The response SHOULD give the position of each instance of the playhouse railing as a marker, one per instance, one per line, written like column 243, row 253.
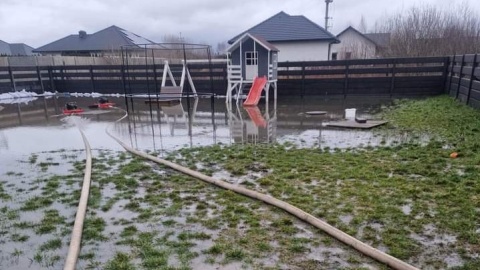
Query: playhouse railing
column 270, row 72
column 234, row 72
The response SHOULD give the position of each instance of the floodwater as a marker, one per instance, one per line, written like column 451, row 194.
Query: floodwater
column 37, row 126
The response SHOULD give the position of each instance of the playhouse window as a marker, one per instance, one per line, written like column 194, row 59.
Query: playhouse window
column 251, row 58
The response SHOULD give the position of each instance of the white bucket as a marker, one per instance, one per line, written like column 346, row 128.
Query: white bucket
column 350, row 113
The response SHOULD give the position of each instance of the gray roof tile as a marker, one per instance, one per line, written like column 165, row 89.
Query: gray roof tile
column 111, row 38
column 381, row 39
column 284, row 27
column 15, row 48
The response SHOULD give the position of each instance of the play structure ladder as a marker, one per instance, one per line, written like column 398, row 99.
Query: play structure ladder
column 255, row 91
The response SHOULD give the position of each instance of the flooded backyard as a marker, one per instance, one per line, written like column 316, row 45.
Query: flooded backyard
column 142, row 215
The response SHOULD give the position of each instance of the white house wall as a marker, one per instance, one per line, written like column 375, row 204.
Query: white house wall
column 302, row 50
column 357, row 45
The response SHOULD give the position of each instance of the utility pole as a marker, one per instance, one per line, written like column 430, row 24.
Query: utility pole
column 327, row 2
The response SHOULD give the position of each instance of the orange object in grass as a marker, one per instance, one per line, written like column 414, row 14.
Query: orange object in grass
column 454, row 155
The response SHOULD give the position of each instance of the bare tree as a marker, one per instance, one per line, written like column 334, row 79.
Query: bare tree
column 362, row 26
column 431, row 31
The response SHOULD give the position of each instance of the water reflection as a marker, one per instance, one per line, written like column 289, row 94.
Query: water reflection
column 190, row 123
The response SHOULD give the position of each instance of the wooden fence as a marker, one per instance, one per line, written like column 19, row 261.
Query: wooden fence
column 463, row 80
column 388, row 77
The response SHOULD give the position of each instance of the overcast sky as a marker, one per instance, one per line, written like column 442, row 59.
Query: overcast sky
column 38, row 22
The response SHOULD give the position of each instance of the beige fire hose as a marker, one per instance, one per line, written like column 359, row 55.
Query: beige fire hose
column 334, row 232
column 74, row 248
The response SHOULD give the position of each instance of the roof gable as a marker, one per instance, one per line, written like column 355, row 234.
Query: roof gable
column 379, row 39
column 110, row 38
column 260, row 40
column 284, row 27
column 352, row 29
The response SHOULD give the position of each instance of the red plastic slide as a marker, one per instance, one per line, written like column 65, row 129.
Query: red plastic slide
column 255, row 91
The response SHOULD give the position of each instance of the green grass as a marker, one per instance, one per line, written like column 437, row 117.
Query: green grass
column 370, row 184
column 121, row 261
column 51, row 244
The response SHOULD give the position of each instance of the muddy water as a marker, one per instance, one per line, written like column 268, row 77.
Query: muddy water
column 35, row 127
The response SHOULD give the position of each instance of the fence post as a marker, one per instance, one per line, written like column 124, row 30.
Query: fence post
column 92, row 79
column 345, row 86
column 446, row 63
column 12, row 78
column 39, row 75
column 451, row 74
column 471, row 78
column 460, row 77
column 50, row 77
column 392, row 85
column 303, row 79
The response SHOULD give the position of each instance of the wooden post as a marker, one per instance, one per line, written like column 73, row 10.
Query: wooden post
column 460, row 77
column 451, row 75
column 303, row 79
column 345, row 87
column 92, row 79
column 50, row 76
column 12, row 78
column 446, row 62
column 471, row 78
column 392, row 84
column 39, row 75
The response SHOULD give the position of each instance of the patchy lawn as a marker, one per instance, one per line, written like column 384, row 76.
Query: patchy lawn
column 410, row 199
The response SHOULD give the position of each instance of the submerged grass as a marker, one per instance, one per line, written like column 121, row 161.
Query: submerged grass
column 411, row 200
column 372, row 186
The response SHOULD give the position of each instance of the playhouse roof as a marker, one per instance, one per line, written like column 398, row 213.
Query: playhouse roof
column 284, row 27
column 110, row 38
column 260, row 40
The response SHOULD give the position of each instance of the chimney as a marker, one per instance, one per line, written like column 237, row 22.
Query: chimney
column 82, row 34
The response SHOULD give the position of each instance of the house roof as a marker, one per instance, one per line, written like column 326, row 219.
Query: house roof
column 110, row 38
column 260, row 40
column 15, row 48
column 284, row 27
column 379, row 39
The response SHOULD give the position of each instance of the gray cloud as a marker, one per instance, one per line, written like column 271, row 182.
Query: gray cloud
column 37, row 22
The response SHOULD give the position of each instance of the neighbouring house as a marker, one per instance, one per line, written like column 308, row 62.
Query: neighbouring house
column 108, row 41
column 296, row 37
column 15, row 49
column 356, row 45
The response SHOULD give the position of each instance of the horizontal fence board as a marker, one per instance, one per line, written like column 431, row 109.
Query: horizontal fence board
column 463, row 98
column 463, row 90
column 475, row 94
column 475, row 103
column 457, row 69
column 465, row 82
column 477, row 72
column 469, row 58
column 476, row 85
column 467, row 71
column 419, row 69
